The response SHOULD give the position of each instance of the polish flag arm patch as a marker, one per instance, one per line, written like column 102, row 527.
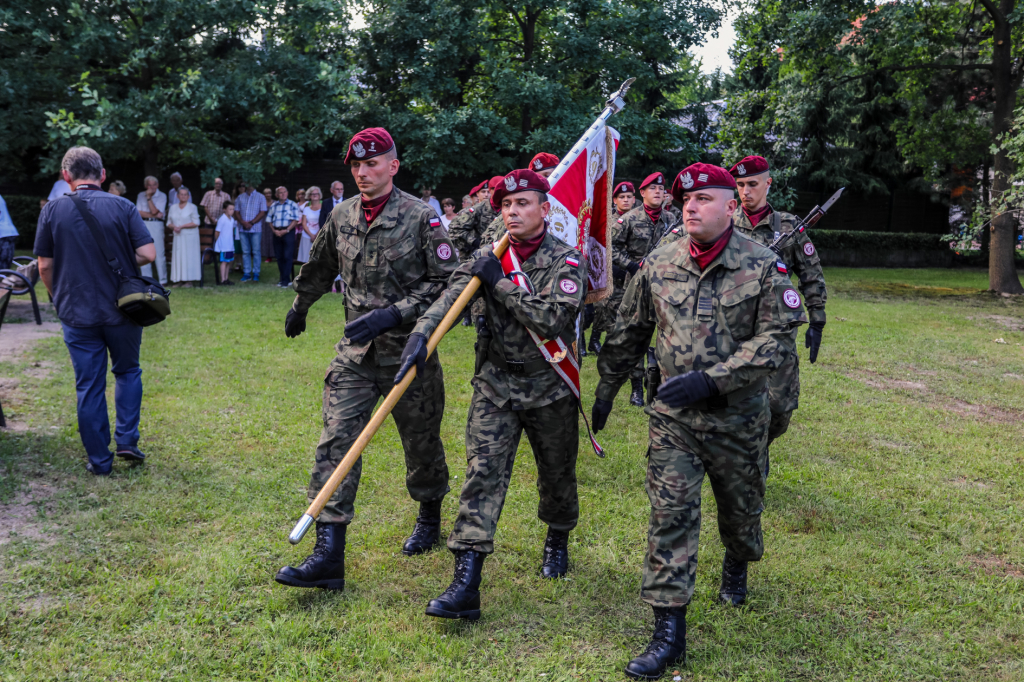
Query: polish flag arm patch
column 573, row 261
column 782, row 267
column 435, row 222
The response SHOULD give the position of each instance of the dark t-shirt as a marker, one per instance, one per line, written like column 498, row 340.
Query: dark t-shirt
column 84, row 286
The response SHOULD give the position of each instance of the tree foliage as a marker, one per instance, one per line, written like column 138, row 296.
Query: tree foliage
column 235, row 87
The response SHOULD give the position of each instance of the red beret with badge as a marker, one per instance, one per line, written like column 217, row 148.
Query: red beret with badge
column 701, row 176
column 750, row 165
column 369, row 143
column 623, row 187
column 522, row 180
column 543, row 161
column 653, row 179
column 495, row 181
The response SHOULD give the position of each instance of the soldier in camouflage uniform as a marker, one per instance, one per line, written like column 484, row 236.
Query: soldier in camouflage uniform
column 515, row 389
column 634, row 235
column 759, row 221
column 466, row 230
column 543, row 164
column 722, row 312
column 623, row 201
column 395, row 257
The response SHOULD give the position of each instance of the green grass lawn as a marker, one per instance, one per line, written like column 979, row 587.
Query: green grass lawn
column 894, row 522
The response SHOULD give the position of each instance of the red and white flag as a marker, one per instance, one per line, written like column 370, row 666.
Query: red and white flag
column 581, row 209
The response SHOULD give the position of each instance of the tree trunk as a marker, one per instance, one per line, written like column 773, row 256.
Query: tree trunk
column 1002, row 272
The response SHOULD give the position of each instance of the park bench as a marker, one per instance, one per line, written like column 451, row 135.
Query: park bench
column 17, row 283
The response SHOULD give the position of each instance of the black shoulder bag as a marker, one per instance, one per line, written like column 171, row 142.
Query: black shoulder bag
column 141, row 299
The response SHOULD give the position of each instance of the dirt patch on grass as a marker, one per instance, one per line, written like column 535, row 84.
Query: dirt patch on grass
column 967, row 483
column 994, row 565
column 19, row 518
column 988, row 413
column 1014, row 324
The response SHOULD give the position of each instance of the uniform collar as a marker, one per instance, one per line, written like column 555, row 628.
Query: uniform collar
column 743, row 222
column 731, row 257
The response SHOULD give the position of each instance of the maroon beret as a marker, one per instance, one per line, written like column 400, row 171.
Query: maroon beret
column 369, row 143
column 522, row 180
column 476, row 188
column 543, row 161
column 623, row 187
column 653, row 179
column 751, row 165
column 701, row 176
column 495, row 181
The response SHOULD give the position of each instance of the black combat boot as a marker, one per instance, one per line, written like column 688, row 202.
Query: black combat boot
column 595, row 343
column 668, row 645
column 462, row 598
column 325, row 567
column 427, row 531
column 636, row 398
column 556, row 554
column 734, row 581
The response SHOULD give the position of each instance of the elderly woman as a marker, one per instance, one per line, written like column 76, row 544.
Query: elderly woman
column 186, row 259
column 117, row 188
column 310, row 223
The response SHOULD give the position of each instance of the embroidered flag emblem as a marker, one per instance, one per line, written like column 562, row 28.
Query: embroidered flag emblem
column 573, row 261
column 782, row 267
column 435, row 222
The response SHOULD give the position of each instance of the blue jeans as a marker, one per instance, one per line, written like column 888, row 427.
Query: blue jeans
column 88, row 347
column 250, row 253
column 284, row 254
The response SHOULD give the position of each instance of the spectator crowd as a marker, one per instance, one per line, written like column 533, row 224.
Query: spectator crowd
column 243, row 228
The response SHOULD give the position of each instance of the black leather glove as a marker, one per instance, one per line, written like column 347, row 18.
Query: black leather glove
column 294, row 324
column 415, row 351
column 488, row 269
column 686, row 389
column 371, row 325
column 599, row 415
column 633, row 267
column 812, row 339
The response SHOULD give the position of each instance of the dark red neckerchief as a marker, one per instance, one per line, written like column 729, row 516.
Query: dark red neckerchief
column 621, row 212
column 652, row 213
column 373, row 207
column 528, row 247
column 86, row 185
column 757, row 216
column 703, row 254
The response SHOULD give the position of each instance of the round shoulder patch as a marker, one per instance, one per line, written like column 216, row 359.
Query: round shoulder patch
column 568, row 286
column 809, row 249
column 791, row 299
column 444, row 252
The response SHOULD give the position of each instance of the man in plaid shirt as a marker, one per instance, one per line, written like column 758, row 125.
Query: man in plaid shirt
column 250, row 208
column 284, row 217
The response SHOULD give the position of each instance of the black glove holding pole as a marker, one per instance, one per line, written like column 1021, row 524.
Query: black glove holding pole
column 415, row 351
column 367, row 327
column 488, row 269
column 812, row 339
column 294, row 324
column 686, row 389
column 599, row 414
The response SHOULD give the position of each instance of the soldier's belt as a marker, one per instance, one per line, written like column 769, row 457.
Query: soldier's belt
column 720, row 402
column 518, row 368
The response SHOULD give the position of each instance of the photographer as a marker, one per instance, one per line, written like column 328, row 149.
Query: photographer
column 84, row 292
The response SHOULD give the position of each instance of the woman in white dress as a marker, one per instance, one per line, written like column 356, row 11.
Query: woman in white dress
column 310, row 223
column 186, row 259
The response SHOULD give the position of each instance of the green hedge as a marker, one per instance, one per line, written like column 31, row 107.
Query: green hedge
column 24, row 214
column 850, row 240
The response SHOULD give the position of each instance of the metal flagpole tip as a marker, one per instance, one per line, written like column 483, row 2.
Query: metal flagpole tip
column 299, row 531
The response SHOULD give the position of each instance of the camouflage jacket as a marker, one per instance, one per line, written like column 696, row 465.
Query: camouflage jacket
column 550, row 312
column 634, row 235
column 467, row 227
column 494, row 231
column 403, row 259
column 798, row 254
column 731, row 321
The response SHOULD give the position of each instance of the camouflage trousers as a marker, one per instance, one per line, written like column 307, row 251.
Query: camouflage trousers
column 784, row 390
column 351, row 391
column 678, row 458
column 492, row 439
column 606, row 310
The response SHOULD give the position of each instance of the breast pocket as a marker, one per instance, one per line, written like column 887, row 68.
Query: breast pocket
column 739, row 309
column 404, row 260
column 349, row 254
column 673, row 296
